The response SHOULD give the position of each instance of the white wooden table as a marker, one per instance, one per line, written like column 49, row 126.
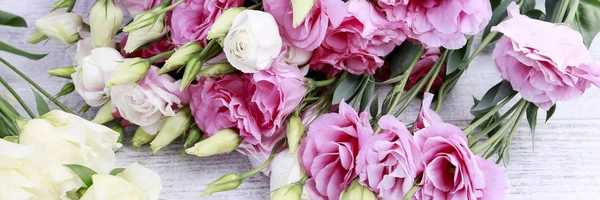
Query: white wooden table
column 563, row 164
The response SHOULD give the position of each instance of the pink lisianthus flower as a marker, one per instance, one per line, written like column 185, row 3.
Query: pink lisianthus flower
column 151, row 50
column 439, row 23
column 427, row 117
column 192, row 19
column 544, row 62
column 134, row 7
column 359, row 43
column 452, row 171
column 310, row 33
column 389, row 162
column 328, row 152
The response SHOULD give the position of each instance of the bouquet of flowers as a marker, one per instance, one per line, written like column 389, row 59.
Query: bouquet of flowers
column 309, row 90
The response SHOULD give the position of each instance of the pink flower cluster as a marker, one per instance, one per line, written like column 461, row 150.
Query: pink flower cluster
column 255, row 104
column 543, row 72
column 356, row 35
column 340, row 147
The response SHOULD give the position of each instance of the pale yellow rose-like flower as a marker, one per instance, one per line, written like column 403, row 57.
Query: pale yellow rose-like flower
column 135, row 183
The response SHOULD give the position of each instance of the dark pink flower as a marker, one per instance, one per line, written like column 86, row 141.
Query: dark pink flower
column 451, row 169
column 310, row 33
column 328, row 152
column 546, row 63
column 389, row 162
column 192, row 19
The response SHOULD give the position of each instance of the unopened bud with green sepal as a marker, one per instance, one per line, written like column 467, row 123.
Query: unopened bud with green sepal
column 104, row 114
column 223, row 141
column 294, row 133
column 62, row 72
column 105, row 21
column 180, row 57
column 225, row 183
column 288, row 192
column 128, row 72
column 222, row 24
column 194, row 136
column 357, row 192
column 141, row 138
column 173, row 127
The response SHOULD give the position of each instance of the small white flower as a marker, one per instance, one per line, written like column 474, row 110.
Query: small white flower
column 136, row 182
column 253, row 41
column 92, row 73
column 60, row 26
column 286, row 169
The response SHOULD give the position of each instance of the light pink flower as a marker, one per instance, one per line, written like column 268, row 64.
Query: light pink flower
column 328, row 152
column 256, row 104
column 439, row 23
column 427, row 117
column 545, row 62
column 389, row 162
column 310, row 33
column 134, row 7
column 359, row 43
column 452, row 171
column 192, row 19
column 153, row 49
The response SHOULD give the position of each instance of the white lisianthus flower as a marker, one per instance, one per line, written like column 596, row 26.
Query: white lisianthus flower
column 72, row 140
column 286, row 169
column 253, row 41
column 136, row 182
column 93, row 71
column 148, row 102
column 84, row 46
column 29, row 173
column 60, row 26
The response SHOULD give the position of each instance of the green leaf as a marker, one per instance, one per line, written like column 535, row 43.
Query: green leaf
column 42, row 106
column 8, row 19
column 536, row 14
column 346, row 89
column 457, row 57
column 401, row 58
column 395, row 79
column 67, row 89
column 366, row 97
column 13, row 50
column 84, row 173
column 8, row 126
column 552, row 7
column 498, row 15
column 374, row 109
column 84, row 109
column 7, row 105
column 527, row 6
column 531, row 112
column 586, row 20
column 550, row 112
column 492, row 97
column 116, row 171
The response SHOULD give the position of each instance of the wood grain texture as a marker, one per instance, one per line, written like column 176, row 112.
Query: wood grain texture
column 563, row 164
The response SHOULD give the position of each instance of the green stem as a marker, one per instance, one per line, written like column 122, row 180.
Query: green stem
column 558, row 18
column 437, row 71
column 400, row 87
column 323, row 83
column 572, row 12
column 160, row 56
column 266, row 163
column 475, row 124
column 361, row 89
column 255, row 6
column 473, row 139
column 70, row 9
column 515, row 125
column 494, row 139
column 17, row 97
column 440, row 96
column 481, row 46
column 36, row 86
column 411, row 192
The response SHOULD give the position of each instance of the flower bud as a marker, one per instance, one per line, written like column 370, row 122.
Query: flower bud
column 288, row 192
column 357, row 192
column 60, row 26
column 173, row 127
column 301, row 8
column 180, row 57
column 194, row 136
column 104, row 114
column 37, row 37
column 223, row 141
column 225, row 183
column 62, row 4
column 12, row 138
column 192, row 68
column 217, row 69
column 128, row 72
column 221, row 26
column 294, row 132
column 144, row 35
column 63, row 72
column 105, row 20
column 141, row 137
